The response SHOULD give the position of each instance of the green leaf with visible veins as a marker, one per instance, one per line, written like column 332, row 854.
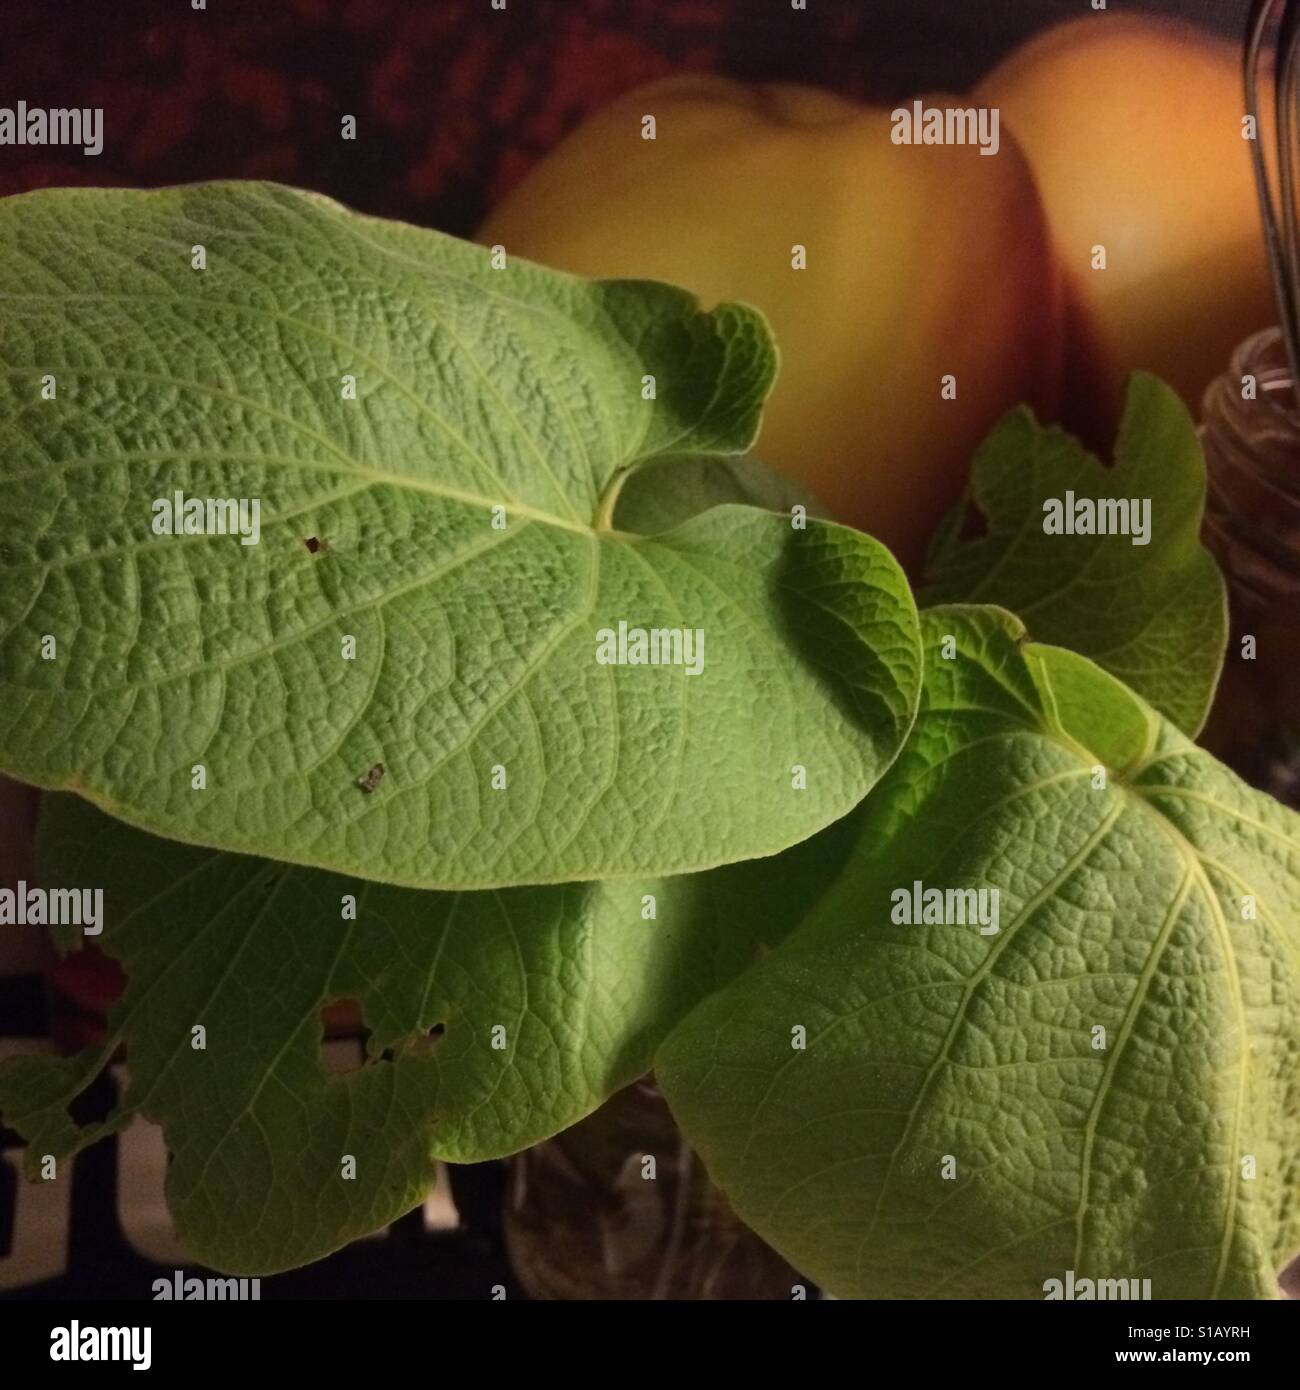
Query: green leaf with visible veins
column 1155, row 614
column 475, row 648
column 1108, row 1083
column 583, row 982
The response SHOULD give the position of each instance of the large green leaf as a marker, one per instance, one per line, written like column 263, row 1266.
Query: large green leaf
column 475, row 648
column 1154, row 614
column 1160, row 904
column 582, row 981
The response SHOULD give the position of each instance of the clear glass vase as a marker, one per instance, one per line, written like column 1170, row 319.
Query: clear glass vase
column 618, row 1207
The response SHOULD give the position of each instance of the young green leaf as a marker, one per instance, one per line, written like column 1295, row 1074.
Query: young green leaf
column 496, row 1019
column 1150, row 608
column 398, row 675
column 1097, row 1070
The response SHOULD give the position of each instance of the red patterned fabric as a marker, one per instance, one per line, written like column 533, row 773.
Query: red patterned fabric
column 453, row 99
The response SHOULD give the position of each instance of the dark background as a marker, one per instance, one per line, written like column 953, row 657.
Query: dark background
column 453, row 100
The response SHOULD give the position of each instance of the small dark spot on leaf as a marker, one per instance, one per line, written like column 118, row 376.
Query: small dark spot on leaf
column 371, row 779
column 437, row 1030
column 316, row 545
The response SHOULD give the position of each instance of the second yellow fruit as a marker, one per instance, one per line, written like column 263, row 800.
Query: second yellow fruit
column 1133, row 129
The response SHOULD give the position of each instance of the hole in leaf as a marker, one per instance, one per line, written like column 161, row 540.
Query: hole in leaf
column 343, row 1018
column 421, row 1044
column 347, row 1047
column 343, row 1033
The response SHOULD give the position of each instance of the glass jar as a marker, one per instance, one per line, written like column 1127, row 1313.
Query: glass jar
column 1251, row 434
column 618, row 1207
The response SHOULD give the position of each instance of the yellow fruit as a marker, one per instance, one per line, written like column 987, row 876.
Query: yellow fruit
column 922, row 262
column 1133, row 129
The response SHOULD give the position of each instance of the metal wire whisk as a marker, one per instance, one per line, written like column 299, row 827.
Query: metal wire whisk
column 1273, row 55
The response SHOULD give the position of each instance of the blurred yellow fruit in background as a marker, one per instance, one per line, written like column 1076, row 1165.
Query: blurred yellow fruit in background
column 921, row 262
column 1133, row 128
